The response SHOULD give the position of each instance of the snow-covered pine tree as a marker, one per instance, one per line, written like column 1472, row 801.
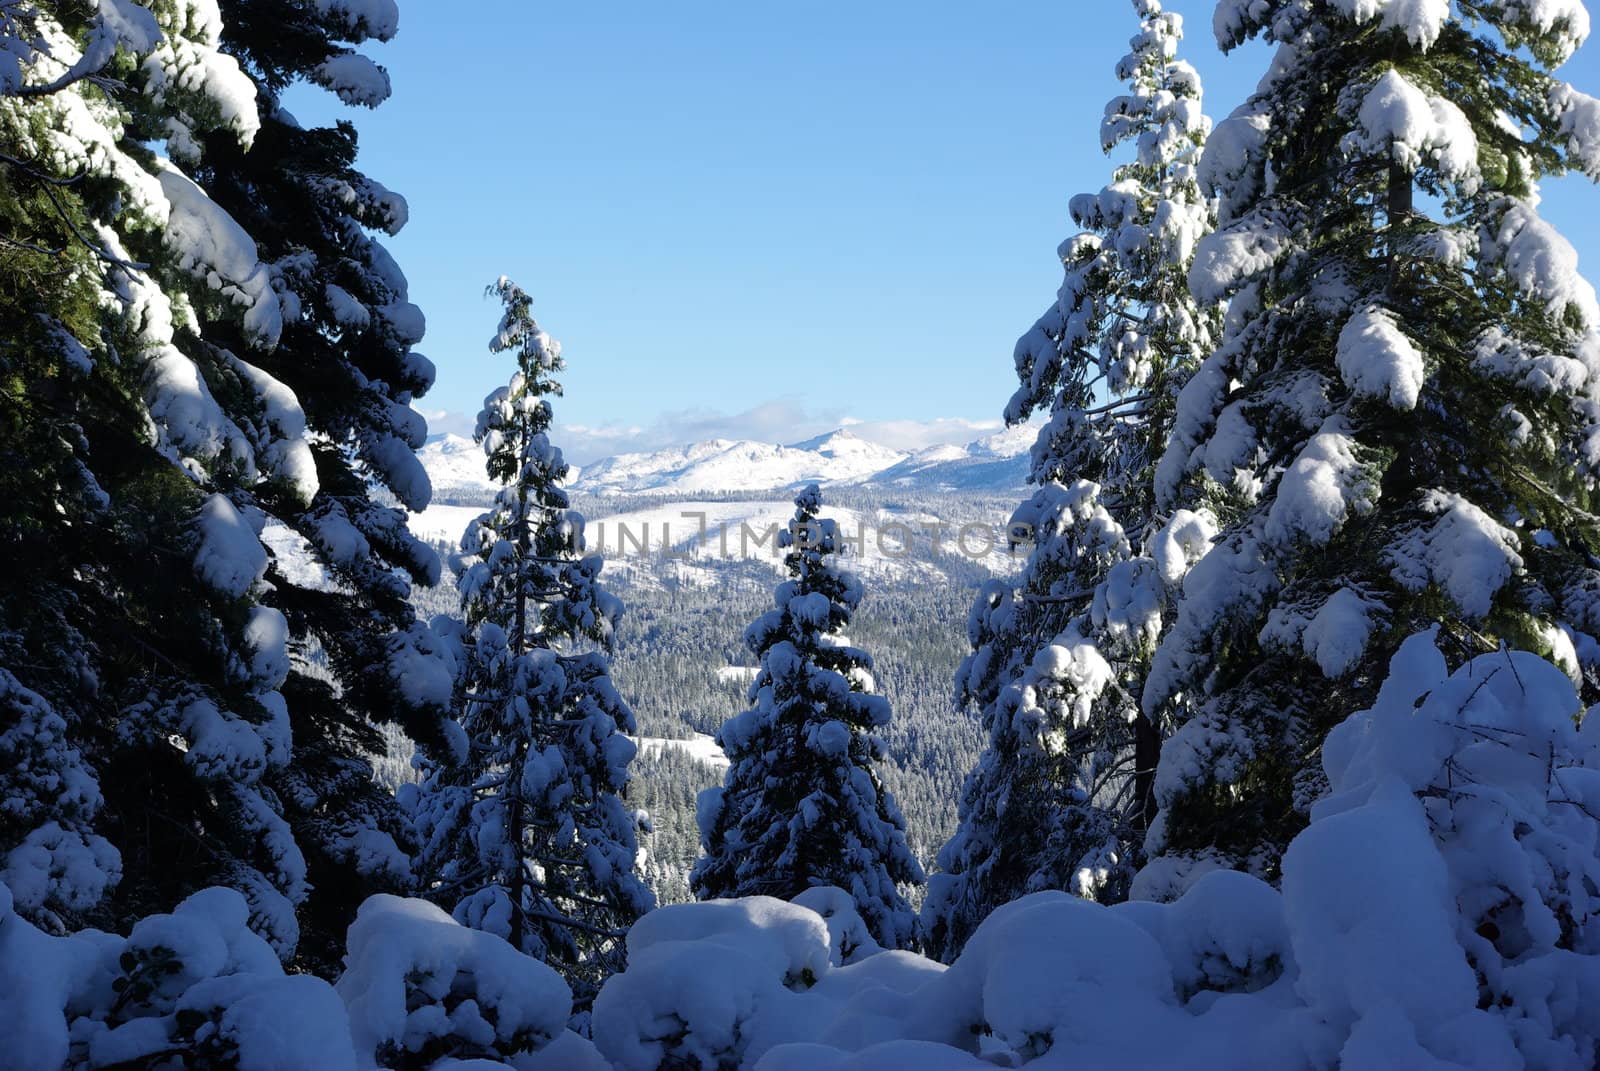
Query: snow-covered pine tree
column 52, row 395
column 802, row 804
column 1401, row 425
column 138, row 621
column 525, row 834
column 330, row 407
column 1062, row 792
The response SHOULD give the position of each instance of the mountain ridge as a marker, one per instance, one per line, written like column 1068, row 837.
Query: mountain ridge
column 996, row 462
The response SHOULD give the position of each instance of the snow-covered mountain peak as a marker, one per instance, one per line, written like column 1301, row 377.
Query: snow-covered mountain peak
column 715, row 466
column 1009, row 442
column 849, row 449
column 455, row 466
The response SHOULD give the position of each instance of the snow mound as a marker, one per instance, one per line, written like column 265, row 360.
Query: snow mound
column 418, row 981
column 1442, row 910
column 196, row 980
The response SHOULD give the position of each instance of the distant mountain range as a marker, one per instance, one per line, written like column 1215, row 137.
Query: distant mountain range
column 996, row 463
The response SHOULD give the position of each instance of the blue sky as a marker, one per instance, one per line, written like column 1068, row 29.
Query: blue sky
column 751, row 219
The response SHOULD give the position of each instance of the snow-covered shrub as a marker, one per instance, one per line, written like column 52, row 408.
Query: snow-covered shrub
column 192, row 989
column 198, row 990
column 703, row 979
column 1458, row 859
column 1046, row 970
column 849, row 939
column 922, row 1055
column 1228, row 934
column 425, row 992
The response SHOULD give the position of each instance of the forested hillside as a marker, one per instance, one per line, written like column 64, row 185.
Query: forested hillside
column 678, row 646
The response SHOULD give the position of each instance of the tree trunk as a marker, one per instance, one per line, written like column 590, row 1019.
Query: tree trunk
column 519, row 647
column 1400, row 207
column 1146, row 754
column 514, row 832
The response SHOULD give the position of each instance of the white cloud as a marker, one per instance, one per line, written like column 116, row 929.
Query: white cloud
column 446, row 421
column 779, row 421
column 913, row 435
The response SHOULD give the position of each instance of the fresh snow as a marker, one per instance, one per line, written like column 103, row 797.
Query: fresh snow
column 1421, row 20
column 1324, row 486
column 379, row 19
column 1227, row 257
column 1413, row 128
column 354, row 78
column 1465, row 551
column 1541, row 262
column 1378, row 360
column 699, row 746
column 229, row 556
column 211, row 245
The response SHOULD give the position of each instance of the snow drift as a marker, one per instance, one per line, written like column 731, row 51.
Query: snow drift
column 1441, row 910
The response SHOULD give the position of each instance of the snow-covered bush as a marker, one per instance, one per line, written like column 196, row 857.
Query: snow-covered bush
column 1442, row 910
column 666, row 1007
column 1462, row 833
column 197, row 986
column 198, row 990
column 717, row 984
column 425, row 992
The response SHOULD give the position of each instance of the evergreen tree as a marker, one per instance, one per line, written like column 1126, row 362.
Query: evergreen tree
column 525, row 833
column 332, row 399
column 53, row 394
column 1400, row 424
column 1062, row 792
column 129, row 617
column 802, row 804
column 161, row 354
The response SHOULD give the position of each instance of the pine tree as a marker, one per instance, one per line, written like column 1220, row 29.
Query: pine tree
column 1400, row 424
column 172, row 317
column 1062, row 792
column 802, row 804
column 332, row 400
column 53, row 393
column 526, row 835
column 132, row 614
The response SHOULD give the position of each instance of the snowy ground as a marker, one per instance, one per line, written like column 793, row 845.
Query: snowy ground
column 444, row 524
column 296, row 558
column 700, row 746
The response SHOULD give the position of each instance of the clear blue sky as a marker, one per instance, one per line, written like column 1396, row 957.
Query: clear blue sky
column 751, row 218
